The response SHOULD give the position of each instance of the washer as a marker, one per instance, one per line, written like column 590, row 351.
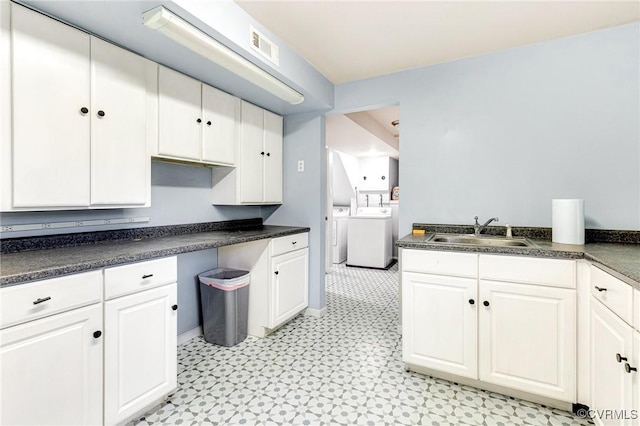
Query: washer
column 340, row 223
column 369, row 238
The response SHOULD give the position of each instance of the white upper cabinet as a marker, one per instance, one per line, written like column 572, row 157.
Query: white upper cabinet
column 180, row 118
column 197, row 122
column 118, row 128
column 51, row 116
column 78, row 119
column 221, row 119
column 257, row 179
column 252, row 154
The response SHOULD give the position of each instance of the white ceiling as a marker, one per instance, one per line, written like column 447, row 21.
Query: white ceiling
column 352, row 40
column 364, row 134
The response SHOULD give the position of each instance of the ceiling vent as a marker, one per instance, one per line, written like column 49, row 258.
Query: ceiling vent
column 264, row 46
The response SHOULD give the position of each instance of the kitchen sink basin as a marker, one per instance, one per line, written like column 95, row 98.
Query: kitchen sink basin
column 472, row 240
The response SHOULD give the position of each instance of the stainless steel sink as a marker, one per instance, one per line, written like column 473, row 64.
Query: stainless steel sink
column 480, row 241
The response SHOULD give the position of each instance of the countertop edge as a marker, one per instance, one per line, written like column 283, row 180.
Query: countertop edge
column 53, row 272
column 580, row 252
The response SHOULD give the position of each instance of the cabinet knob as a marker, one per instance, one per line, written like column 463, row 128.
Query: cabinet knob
column 276, row 272
column 268, row 154
column 84, row 110
column 174, row 307
column 629, row 368
column 383, row 178
column 262, row 153
column 145, row 276
column 199, row 120
column 364, row 178
column 485, row 303
column 472, row 302
column 101, row 113
column 600, row 288
column 41, row 300
column 209, row 123
column 620, row 358
column 97, row 334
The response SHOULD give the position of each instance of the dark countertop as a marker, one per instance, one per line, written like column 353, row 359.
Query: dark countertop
column 621, row 260
column 16, row 268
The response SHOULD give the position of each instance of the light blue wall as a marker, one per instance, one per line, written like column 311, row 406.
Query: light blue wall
column 179, row 194
column 503, row 134
column 305, row 193
column 189, row 266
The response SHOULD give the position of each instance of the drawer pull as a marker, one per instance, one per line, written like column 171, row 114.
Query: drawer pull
column 174, row 307
column 42, row 299
column 629, row 368
column 620, row 358
column 97, row 334
column 600, row 288
column 294, row 242
column 144, row 277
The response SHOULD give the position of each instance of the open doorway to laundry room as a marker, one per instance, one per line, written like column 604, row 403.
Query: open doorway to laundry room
column 362, row 177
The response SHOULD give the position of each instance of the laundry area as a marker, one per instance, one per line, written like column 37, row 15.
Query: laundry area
column 364, row 159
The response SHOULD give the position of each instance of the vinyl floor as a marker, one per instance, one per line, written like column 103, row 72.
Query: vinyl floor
column 342, row 369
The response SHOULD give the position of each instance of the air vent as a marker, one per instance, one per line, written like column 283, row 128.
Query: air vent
column 264, row 46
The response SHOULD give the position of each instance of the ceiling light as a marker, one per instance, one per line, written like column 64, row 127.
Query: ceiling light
column 189, row 36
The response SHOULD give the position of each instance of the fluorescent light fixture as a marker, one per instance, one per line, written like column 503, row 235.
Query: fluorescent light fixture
column 189, row 36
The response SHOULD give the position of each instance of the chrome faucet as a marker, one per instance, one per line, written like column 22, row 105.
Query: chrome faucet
column 477, row 228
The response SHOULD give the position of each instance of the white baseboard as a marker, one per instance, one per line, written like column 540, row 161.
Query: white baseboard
column 188, row 335
column 317, row 313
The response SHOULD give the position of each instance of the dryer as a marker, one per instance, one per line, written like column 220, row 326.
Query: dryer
column 340, row 219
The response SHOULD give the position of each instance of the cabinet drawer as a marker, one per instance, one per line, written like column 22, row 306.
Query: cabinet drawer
column 140, row 276
column 613, row 293
column 440, row 262
column 27, row 302
column 289, row 243
column 529, row 270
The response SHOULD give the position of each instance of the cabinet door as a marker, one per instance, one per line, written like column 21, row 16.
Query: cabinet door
column 140, row 351
column 220, row 132
column 527, row 338
column 251, row 154
column 273, row 158
column 439, row 325
column 50, row 71
column 119, row 166
column 52, row 370
column 289, row 286
column 179, row 109
column 611, row 386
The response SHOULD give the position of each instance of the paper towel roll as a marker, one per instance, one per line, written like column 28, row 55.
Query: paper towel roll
column 567, row 221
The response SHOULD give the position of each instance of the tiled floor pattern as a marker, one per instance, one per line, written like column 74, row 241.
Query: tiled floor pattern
column 344, row 368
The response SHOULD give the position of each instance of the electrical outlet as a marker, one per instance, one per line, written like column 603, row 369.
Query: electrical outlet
column 301, row 165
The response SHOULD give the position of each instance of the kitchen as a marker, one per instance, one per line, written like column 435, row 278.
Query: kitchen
column 567, row 107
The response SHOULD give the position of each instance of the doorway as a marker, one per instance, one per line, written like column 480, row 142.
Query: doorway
column 362, row 171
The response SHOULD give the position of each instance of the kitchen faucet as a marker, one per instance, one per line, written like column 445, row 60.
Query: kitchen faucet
column 477, row 228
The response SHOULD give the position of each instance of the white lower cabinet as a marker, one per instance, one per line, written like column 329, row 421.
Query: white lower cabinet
column 140, row 337
column 614, row 345
column 68, row 358
column 51, row 366
column 449, row 302
column 279, row 287
column 289, row 293
column 503, row 331
column 528, row 338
